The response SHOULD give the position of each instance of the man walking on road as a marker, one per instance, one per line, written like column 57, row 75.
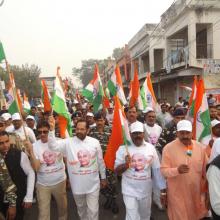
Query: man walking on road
column 184, row 167
column 140, row 167
column 84, row 163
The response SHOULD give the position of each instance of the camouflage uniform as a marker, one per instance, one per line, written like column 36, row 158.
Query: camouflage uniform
column 110, row 191
column 168, row 135
column 8, row 188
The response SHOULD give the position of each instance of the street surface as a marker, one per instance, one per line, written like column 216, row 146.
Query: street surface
column 32, row 214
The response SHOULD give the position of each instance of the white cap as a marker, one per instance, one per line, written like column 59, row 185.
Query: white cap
column 6, row 116
column 213, row 122
column 30, row 117
column 90, row 114
column 168, row 104
column 40, row 106
column 184, row 125
column 148, row 109
column 137, row 127
column 16, row 116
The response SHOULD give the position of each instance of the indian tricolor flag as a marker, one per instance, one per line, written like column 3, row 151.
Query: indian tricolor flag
column 60, row 107
column 193, row 96
column 12, row 95
column 201, row 122
column 115, row 85
column 120, row 135
column 94, row 90
column 136, row 99
column 26, row 104
column 45, row 96
column 147, row 94
column 2, row 53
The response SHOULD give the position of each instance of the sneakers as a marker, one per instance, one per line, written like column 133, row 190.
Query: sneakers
column 111, row 204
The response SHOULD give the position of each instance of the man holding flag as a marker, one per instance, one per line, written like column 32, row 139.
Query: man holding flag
column 184, row 166
column 135, row 163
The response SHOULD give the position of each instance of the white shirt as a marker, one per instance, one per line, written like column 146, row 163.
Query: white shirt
column 213, row 176
column 215, row 150
column 109, row 117
column 29, row 133
column 152, row 134
column 164, row 119
column 10, row 128
column 84, row 162
column 52, row 169
column 136, row 181
column 28, row 170
column 93, row 125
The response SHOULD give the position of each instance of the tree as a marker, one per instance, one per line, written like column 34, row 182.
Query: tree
column 26, row 79
column 85, row 72
column 118, row 52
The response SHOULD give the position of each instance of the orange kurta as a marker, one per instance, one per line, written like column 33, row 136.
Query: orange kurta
column 185, row 192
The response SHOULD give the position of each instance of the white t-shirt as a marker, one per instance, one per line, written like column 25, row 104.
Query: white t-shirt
column 136, row 181
column 29, row 133
column 52, row 169
column 153, row 133
column 215, row 150
column 84, row 162
column 10, row 128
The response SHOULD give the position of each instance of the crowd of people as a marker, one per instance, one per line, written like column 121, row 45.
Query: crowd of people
column 163, row 164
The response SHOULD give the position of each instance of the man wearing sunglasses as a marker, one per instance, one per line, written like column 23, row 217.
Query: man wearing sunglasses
column 51, row 177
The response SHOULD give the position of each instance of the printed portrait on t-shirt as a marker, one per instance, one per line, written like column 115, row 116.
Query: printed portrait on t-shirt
column 138, row 162
column 49, row 157
column 153, row 138
column 84, row 158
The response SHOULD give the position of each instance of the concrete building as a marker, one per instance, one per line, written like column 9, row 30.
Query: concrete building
column 179, row 47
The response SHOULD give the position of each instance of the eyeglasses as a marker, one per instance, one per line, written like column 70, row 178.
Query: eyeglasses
column 43, row 132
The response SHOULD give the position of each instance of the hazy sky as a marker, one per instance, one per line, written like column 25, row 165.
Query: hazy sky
column 51, row 32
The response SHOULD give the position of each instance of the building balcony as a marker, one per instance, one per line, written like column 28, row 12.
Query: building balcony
column 177, row 58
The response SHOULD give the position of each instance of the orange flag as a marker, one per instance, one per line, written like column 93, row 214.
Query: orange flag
column 45, row 97
column 116, row 138
column 120, row 135
column 193, row 93
column 19, row 99
column 135, row 87
column 62, row 125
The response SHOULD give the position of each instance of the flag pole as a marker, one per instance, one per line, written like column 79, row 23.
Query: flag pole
column 15, row 97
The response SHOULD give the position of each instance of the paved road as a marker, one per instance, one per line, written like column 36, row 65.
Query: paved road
column 104, row 214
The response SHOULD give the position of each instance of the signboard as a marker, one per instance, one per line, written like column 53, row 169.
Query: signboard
column 211, row 66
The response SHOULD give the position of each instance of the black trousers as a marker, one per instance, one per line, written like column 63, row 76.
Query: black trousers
column 214, row 216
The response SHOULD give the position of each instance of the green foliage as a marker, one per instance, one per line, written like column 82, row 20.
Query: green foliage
column 26, row 79
column 117, row 53
column 86, row 71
